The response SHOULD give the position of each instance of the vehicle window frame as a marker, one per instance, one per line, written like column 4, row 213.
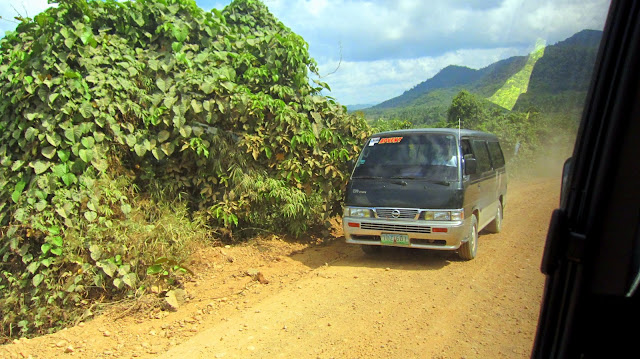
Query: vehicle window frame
column 486, row 165
column 498, row 153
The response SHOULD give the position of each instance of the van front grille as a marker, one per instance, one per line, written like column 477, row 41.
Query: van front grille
column 401, row 228
column 396, row 213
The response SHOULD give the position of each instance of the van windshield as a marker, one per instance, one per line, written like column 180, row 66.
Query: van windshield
column 415, row 156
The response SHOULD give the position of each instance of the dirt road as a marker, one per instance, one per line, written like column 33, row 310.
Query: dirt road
column 326, row 299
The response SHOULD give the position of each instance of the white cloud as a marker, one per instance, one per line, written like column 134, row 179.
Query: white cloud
column 23, row 8
column 371, row 82
column 389, row 46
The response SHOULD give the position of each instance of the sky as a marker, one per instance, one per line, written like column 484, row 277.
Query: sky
column 369, row 51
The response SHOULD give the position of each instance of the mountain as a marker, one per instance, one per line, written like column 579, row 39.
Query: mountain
column 357, row 107
column 548, row 75
column 450, row 76
column 562, row 76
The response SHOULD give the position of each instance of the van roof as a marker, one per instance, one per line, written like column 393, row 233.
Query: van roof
column 449, row 131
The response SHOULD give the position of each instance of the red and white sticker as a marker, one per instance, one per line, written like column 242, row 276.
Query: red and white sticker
column 390, row 140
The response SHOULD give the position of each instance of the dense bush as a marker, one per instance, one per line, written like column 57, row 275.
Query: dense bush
column 113, row 114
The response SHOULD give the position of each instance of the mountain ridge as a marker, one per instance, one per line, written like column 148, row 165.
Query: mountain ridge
column 564, row 70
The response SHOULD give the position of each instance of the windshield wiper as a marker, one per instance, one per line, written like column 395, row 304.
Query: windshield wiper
column 444, row 183
column 441, row 182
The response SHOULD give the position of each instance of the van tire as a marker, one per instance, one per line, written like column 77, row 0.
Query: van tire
column 496, row 225
column 468, row 249
column 371, row 250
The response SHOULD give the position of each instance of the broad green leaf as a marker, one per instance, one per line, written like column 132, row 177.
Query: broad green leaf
column 169, row 101
column 17, row 191
column 62, row 212
column 60, row 170
column 100, row 164
column 41, row 205
column 95, row 251
column 88, row 142
column 126, row 208
column 33, row 267
column 140, row 149
column 98, row 136
column 70, row 74
column 86, row 109
column 197, row 131
column 48, row 152
column 86, row 155
column 90, row 216
column 131, row 140
column 63, row 155
column 30, row 133
column 69, row 179
column 37, row 279
column 158, row 153
column 118, row 283
column 86, row 36
column 56, row 250
column 153, row 64
column 185, row 131
column 196, row 105
column 53, row 230
column 53, row 97
column 47, row 261
column 180, row 33
column 17, row 165
column 163, row 135
column 54, row 139
column 207, row 88
column 168, row 148
column 56, row 241
column 154, row 269
column 108, row 267
column 40, row 166
column 69, row 134
column 130, row 279
column 45, row 248
column 161, row 84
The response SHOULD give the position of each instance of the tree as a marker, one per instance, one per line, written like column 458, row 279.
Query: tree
column 467, row 109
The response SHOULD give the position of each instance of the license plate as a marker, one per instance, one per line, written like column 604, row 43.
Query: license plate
column 392, row 239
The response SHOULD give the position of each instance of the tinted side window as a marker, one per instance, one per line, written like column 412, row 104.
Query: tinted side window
column 496, row 154
column 482, row 155
column 465, row 146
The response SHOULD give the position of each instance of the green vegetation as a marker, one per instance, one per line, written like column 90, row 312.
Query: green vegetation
column 132, row 131
column 526, row 137
column 517, row 84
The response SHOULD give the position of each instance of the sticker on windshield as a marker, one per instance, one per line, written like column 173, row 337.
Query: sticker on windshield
column 380, row 141
column 390, row 140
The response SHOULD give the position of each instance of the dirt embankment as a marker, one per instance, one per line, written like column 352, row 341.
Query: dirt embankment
column 326, row 299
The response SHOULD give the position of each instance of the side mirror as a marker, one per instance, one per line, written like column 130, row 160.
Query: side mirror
column 566, row 171
column 470, row 165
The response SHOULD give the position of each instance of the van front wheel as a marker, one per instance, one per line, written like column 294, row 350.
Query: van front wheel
column 468, row 249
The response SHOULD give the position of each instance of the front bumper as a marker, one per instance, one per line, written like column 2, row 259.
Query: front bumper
column 440, row 235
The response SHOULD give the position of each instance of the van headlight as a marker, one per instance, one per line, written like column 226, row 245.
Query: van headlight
column 456, row 215
column 357, row 212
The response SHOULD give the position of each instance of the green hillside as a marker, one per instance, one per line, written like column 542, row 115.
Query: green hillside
column 552, row 79
column 517, row 84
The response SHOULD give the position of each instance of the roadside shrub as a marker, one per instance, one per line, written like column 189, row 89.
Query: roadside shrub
column 119, row 118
